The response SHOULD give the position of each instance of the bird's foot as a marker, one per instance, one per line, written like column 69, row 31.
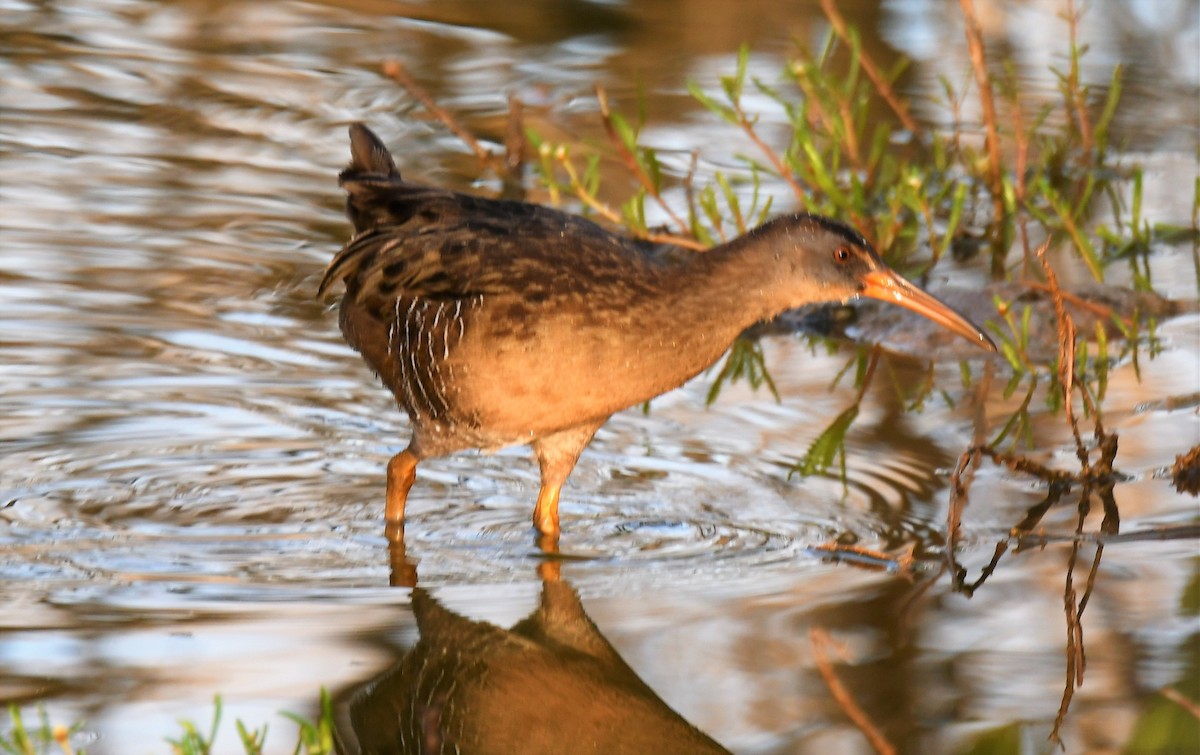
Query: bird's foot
column 403, row 569
column 550, row 566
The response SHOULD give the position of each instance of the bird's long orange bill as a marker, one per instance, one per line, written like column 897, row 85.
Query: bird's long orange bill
column 888, row 286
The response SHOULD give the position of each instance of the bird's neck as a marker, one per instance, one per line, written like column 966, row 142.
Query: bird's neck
column 734, row 286
column 713, row 296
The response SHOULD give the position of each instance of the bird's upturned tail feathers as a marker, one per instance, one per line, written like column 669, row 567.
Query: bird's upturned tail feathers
column 368, row 155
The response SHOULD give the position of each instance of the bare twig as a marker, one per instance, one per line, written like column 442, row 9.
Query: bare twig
column 1020, row 187
column 394, row 70
column 1075, row 96
column 514, row 139
column 1098, row 478
column 1177, row 697
column 870, row 69
column 611, row 215
column 958, row 502
column 1091, row 584
column 902, row 565
column 821, row 643
column 1100, row 310
column 1074, row 649
column 747, row 126
column 1101, row 474
column 1066, row 351
column 1026, row 466
column 632, row 163
column 988, row 104
column 960, row 480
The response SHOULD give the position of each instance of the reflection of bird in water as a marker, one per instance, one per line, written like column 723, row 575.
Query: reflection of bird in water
column 498, row 323
column 551, row 684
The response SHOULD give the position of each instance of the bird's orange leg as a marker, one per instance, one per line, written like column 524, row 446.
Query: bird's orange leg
column 545, row 512
column 556, row 455
column 401, row 473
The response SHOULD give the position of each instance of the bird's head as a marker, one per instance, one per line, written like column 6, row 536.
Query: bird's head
column 828, row 261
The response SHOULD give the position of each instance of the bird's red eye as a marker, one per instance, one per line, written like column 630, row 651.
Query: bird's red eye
column 841, row 254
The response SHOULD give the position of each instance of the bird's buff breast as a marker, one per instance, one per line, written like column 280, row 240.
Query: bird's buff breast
column 561, row 371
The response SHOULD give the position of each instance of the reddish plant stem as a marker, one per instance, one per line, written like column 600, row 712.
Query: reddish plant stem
column 394, row 70
column 1075, row 97
column 870, row 69
column 987, row 102
column 632, row 163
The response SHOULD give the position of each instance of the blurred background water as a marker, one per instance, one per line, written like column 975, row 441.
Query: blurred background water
column 192, row 461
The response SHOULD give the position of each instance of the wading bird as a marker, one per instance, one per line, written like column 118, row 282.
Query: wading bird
column 498, row 323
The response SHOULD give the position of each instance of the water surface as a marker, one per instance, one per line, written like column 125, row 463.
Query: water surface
column 192, row 470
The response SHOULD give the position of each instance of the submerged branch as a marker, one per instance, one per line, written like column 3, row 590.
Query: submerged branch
column 821, row 642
